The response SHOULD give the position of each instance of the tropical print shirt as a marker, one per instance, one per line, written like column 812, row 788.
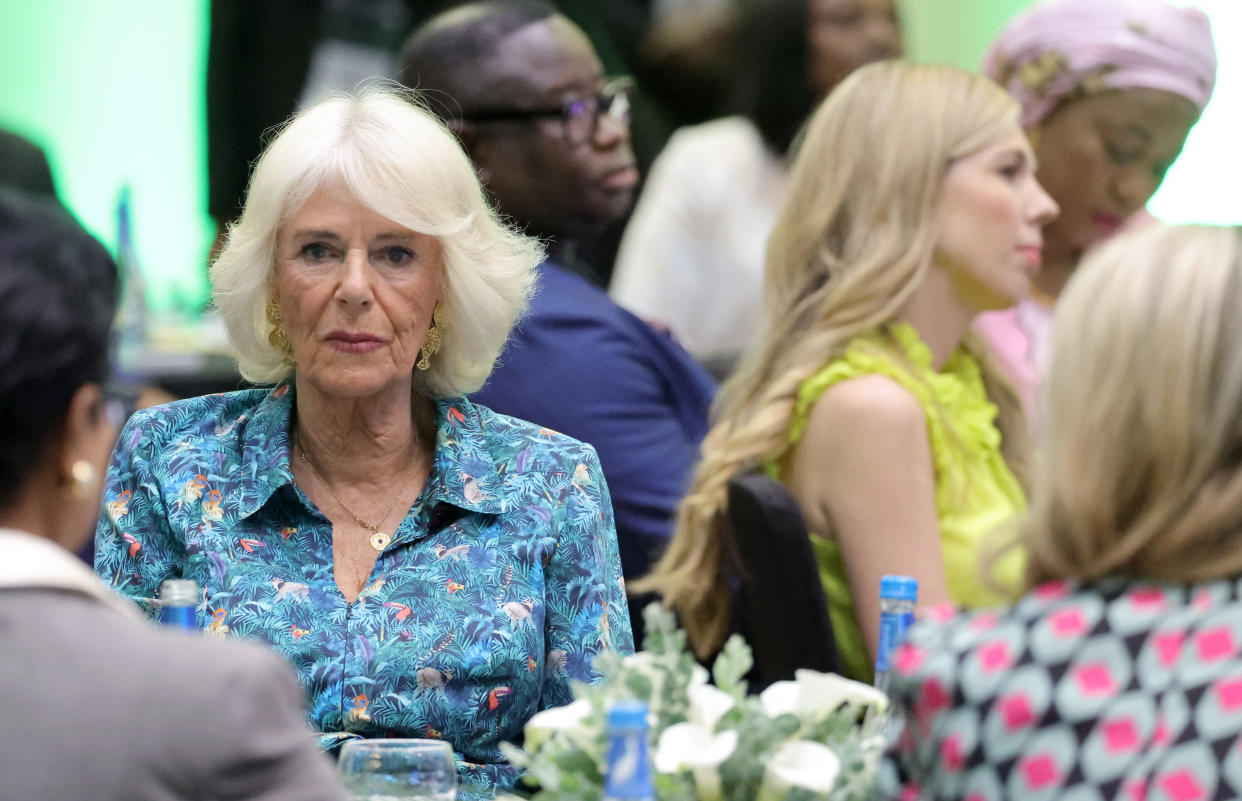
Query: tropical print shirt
column 1122, row 690
column 499, row 587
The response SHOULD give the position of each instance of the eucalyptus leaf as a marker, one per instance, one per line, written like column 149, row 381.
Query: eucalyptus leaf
column 733, row 663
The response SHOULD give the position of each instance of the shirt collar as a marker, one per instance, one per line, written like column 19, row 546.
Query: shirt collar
column 30, row 562
column 464, row 473
column 265, row 448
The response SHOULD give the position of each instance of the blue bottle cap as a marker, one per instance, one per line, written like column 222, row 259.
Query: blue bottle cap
column 899, row 588
column 627, row 715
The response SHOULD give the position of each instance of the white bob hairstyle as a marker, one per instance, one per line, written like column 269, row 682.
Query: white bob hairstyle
column 396, row 158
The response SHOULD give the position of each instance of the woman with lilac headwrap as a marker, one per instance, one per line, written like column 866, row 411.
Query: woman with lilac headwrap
column 1109, row 91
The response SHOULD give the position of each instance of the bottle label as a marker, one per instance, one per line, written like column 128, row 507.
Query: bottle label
column 629, row 774
column 179, row 616
column 892, row 634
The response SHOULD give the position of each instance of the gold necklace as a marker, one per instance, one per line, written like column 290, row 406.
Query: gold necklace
column 379, row 540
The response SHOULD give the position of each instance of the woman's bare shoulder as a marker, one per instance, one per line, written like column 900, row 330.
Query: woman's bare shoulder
column 866, row 408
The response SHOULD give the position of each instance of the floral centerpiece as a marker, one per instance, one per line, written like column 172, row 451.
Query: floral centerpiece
column 799, row 739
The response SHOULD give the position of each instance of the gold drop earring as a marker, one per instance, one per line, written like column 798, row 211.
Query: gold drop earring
column 277, row 336
column 433, row 340
column 82, row 479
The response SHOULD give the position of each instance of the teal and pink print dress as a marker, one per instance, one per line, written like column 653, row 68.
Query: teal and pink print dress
column 1128, row 691
column 499, row 587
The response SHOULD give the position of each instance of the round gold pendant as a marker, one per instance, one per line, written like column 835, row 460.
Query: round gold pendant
column 380, row 540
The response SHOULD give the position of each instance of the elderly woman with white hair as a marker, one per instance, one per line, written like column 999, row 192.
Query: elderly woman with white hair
column 429, row 567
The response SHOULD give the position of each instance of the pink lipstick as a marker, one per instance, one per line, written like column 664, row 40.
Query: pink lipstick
column 350, row 342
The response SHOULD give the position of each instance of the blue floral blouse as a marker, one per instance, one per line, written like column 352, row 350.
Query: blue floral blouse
column 499, row 587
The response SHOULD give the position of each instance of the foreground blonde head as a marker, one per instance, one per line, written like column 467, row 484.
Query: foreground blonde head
column 854, row 240
column 1139, row 469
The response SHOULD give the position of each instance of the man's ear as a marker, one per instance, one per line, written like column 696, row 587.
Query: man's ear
column 482, row 152
column 478, row 147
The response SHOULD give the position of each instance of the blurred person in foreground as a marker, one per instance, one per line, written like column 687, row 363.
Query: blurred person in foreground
column 548, row 134
column 1117, row 674
column 692, row 255
column 430, row 568
column 1109, row 91
column 97, row 702
column 866, row 395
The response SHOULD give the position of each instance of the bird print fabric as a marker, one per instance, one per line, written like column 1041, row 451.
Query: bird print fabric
column 499, row 587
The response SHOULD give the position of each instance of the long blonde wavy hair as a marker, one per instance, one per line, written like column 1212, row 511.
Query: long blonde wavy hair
column 854, row 240
column 1139, row 466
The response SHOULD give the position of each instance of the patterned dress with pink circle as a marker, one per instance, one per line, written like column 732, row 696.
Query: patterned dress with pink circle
column 1122, row 690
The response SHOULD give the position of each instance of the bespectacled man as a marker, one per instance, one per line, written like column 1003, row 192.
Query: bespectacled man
column 549, row 136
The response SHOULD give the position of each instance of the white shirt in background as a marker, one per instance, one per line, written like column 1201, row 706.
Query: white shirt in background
column 692, row 256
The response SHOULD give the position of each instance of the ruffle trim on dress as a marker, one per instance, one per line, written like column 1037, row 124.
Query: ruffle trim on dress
column 966, row 421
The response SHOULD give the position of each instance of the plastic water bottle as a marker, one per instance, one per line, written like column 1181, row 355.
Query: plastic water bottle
column 130, row 331
column 178, row 598
column 897, row 597
column 628, row 775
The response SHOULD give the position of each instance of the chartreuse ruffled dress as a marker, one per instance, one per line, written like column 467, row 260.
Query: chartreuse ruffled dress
column 976, row 493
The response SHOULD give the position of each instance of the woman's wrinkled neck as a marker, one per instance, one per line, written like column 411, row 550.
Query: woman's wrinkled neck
column 361, row 438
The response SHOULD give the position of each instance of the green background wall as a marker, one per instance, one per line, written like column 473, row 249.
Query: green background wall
column 954, row 31
column 113, row 90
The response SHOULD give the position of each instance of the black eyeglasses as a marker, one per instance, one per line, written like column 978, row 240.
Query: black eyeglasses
column 579, row 118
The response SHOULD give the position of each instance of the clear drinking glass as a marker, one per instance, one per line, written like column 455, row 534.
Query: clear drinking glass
column 391, row 769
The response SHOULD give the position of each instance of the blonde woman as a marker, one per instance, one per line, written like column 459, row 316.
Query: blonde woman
column 1118, row 675
column 913, row 206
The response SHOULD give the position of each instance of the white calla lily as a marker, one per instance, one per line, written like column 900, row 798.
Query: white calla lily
column 821, row 693
column 781, row 698
column 568, row 718
column 708, row 705
column 800, row 764
column 688, row 746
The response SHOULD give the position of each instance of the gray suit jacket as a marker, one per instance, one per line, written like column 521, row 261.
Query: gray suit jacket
column 96, row 705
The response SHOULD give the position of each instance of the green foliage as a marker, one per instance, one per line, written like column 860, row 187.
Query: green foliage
column 732, row 665
column 566, row 761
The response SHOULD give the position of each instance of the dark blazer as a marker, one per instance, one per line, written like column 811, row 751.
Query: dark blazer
column 99, row 705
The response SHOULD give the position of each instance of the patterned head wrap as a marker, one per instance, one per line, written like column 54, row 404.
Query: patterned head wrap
column 1063, row 49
